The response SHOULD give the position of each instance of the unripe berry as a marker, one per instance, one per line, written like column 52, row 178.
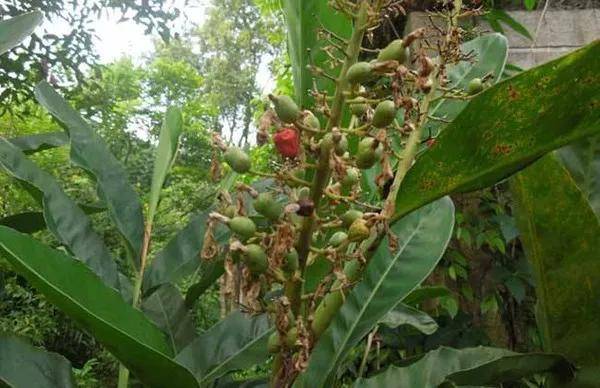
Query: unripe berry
column 310, row 120
column 359, row 109
column 360, row 72
column 394, row 51
column 475, row 86
column 243, row 227
column 358, row 231
column 337, row 239
column 369, row 152
column 290, row 263
column 267, row 206
column 256, row 258
column 350, row 216
column 351, row 178
column 286, row 108
column 341, row 146
column 237, row 159
column 385, row 113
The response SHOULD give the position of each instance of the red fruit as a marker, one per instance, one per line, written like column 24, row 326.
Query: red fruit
column 287, row 142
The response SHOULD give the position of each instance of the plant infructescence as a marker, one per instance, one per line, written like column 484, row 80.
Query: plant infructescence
column 316, row 255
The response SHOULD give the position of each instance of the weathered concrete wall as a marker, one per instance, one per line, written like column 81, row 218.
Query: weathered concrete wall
column 561, row 31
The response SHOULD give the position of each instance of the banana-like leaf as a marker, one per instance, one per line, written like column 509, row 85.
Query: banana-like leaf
column 14, row 30
column 91, row 153
column 488, row 57
column 406, row 315
column 100, row 310
column 304, row 18
column 236, row 342
column 428, row 292
column 507, row 127
column 24, row 366
column 561, row 237
column 209, row 272
column 389, row 277
column 582, row 159
column 63, row 217
column 166, row 308
column 480, row 366
column 181, row 256
column 168, row 143
column 40, row 142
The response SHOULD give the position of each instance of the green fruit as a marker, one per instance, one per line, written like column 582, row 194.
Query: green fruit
column 310, row 120
column 286, row 108
column 273, row 343
column 351, row 178
column 244, row 227
column 290, row 263
column 368, row 154
column 291, row 337
column 304, row 193
column 256, row 258
column 267, row 206
column 385, row 113
column 475, row 86
column 229, row 211
column 395, row 51
column 237, row 159
column 358, row 231
column 359, row 109
column 342, row 146
column 337, row 239
column 360, row 72
column 350, row 216
column 324, row 313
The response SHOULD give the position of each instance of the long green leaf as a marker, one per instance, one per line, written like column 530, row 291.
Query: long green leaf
column 209, row 273
column 304, row 18
column 488, row 57
column 14, row 30
column 165, row 155
column 479, row 366
column 507, row 127
column 561, row 236
column 78, row 292
column 406, row 315
column 63, row 217
column 390, row 276
column 236, row 342
column 31, row 222
column 91, row 153
column 582, row 159
column 166, row 309
column 24, row 366
column 39, row 142
column 181, row 256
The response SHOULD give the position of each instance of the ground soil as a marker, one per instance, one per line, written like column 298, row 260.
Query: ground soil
column 554, row 4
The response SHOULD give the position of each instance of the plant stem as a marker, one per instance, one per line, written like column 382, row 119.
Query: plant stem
column 123, row 376
column 322, row 174
column 363, row 363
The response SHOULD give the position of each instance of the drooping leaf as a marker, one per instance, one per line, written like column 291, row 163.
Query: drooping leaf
column 100, row 310
column 427, row 292
column 39, row 142
column 23, row 365
column 303, row 19
column 31, row 222
column 582, row 159
column 91, row 153
column 500, row 15
column 507, row 127
column 406, row 315
column 209, row 273
column 63, row 217
column 14, row 30
column 478, row 366
column 389, row 277
column 181, row 256
column 561, row 237
column 489, row 54
column 165, row 155
column 236, row 342
column 166, row 309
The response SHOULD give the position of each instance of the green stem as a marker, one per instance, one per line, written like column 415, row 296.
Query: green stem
column 322, row 173
column 123, row 376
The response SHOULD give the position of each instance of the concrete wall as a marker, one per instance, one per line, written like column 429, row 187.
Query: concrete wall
column 561, row 31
